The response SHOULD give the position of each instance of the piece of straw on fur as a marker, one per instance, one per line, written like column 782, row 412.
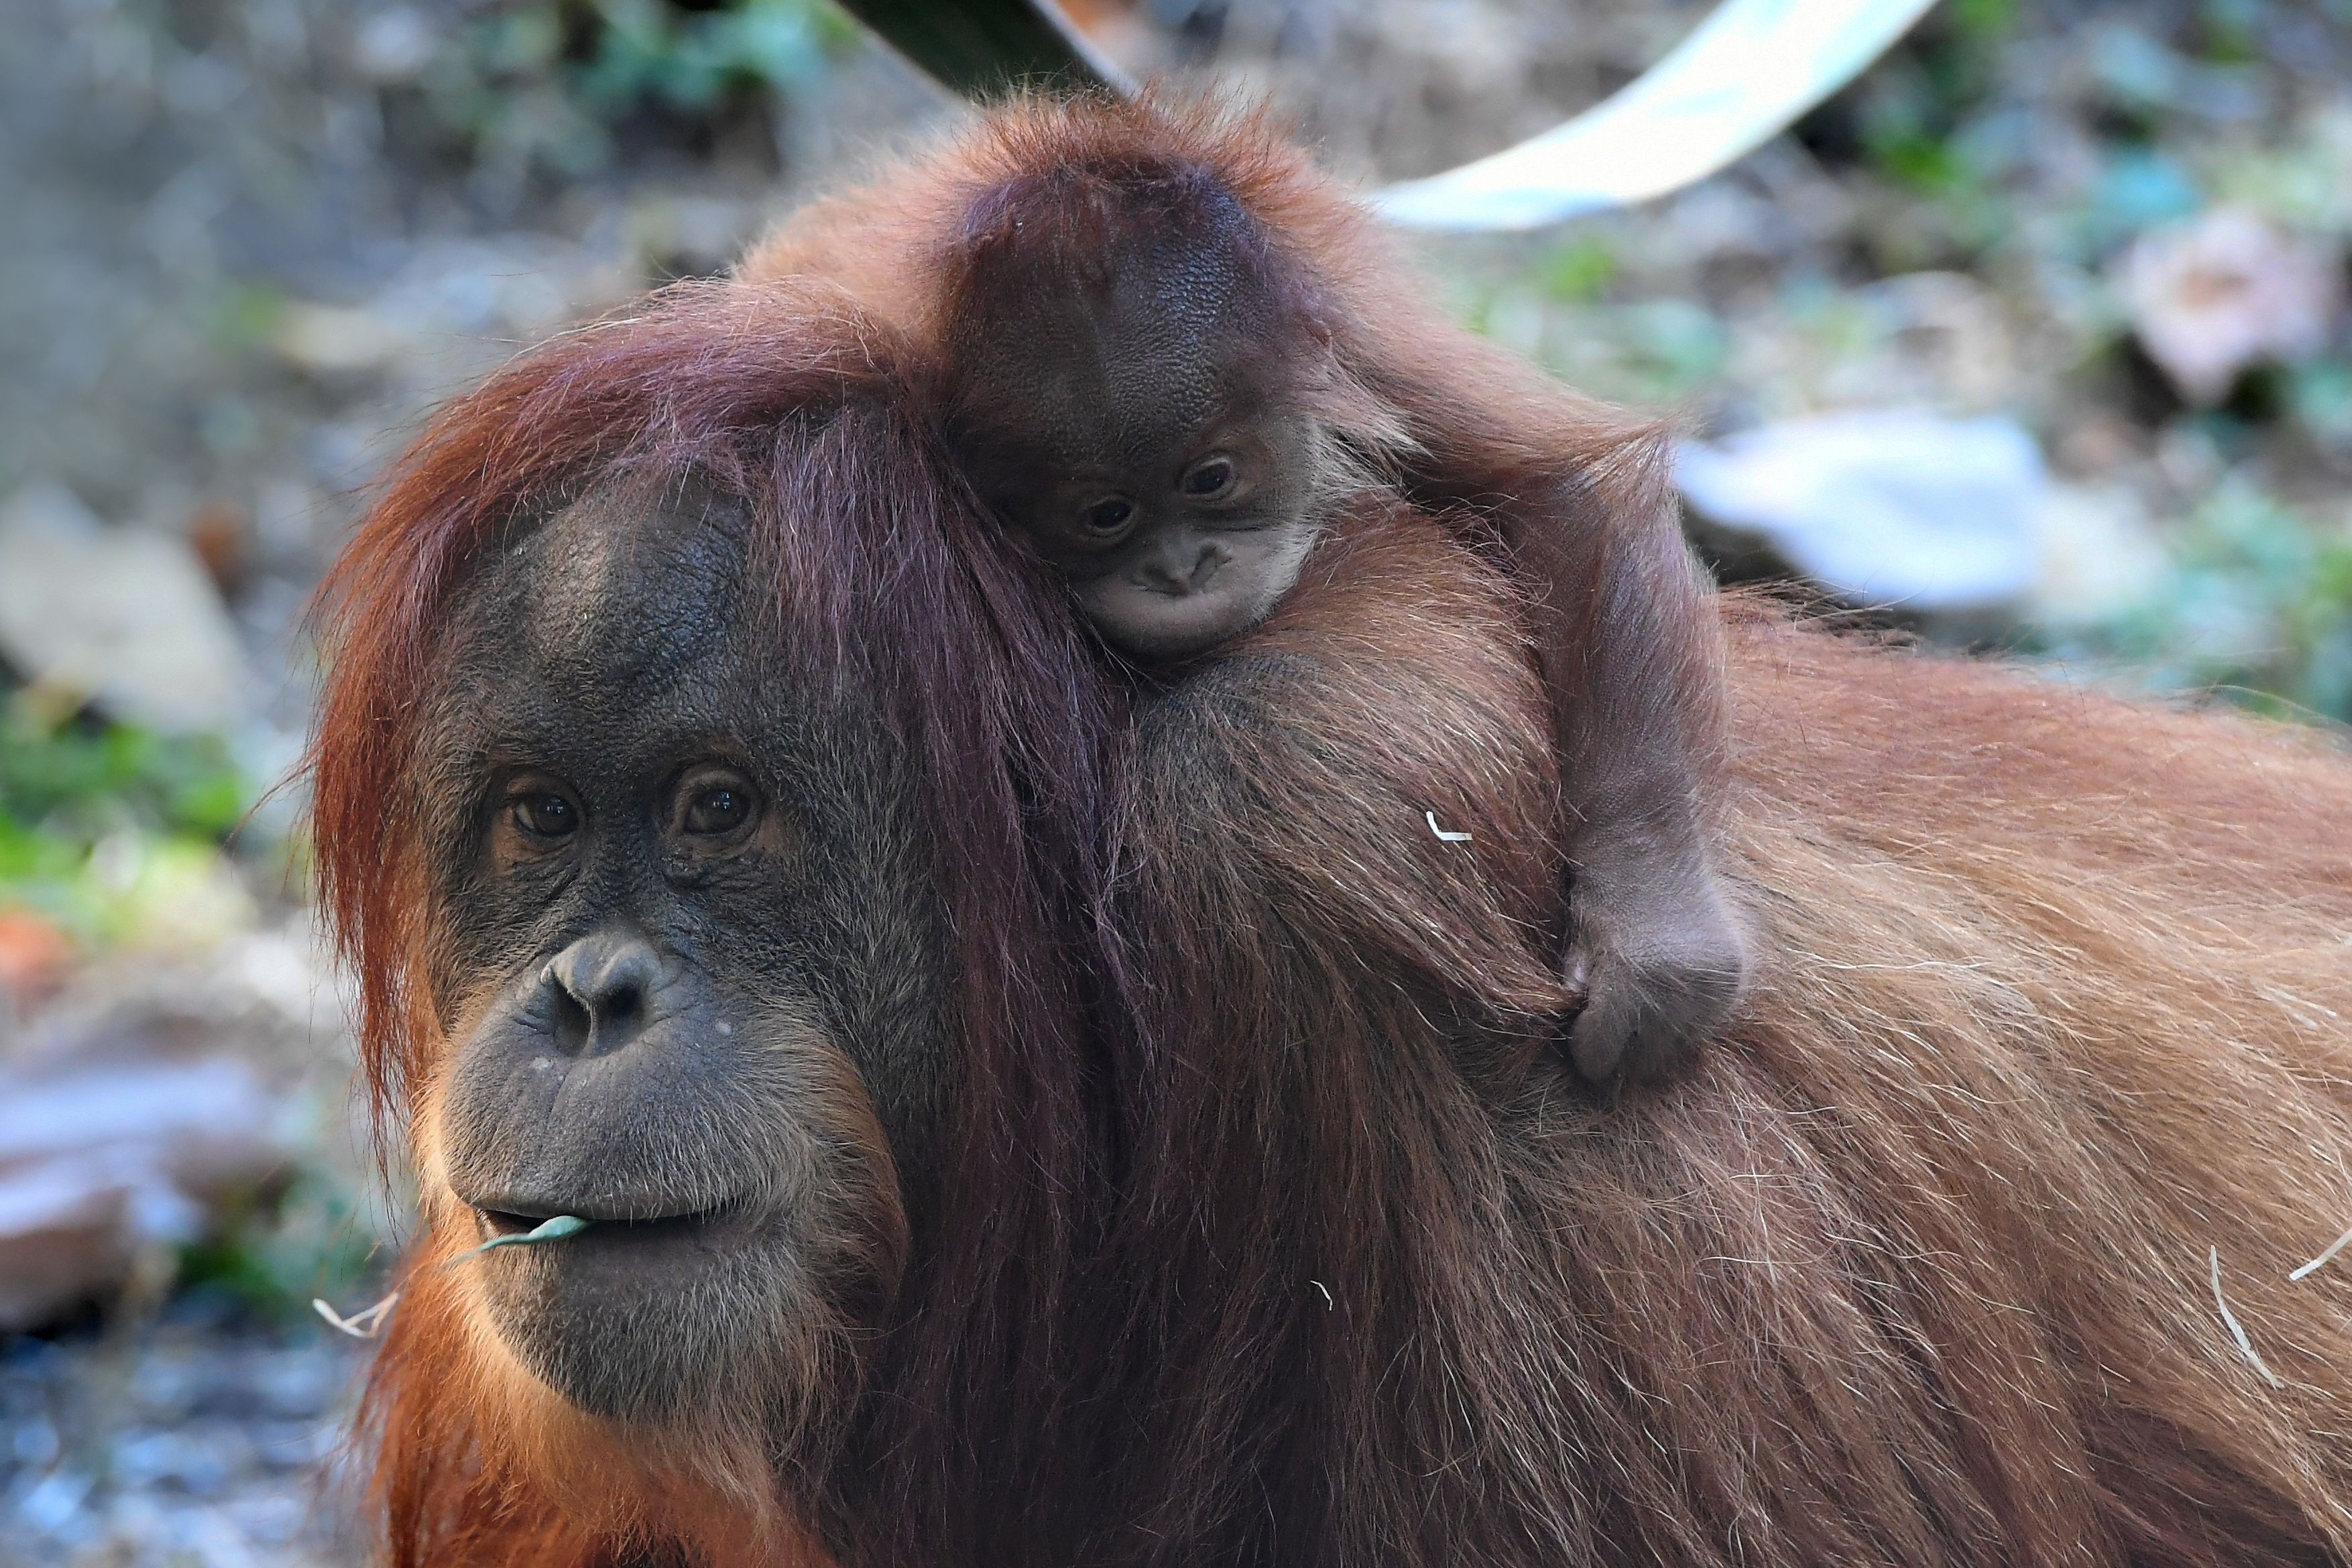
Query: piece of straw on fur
column 366, row 1323
column 2317, row 1263
column 2237, row 1329
column 1444, row 837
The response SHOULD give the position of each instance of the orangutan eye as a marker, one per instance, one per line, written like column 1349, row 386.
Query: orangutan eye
column 1106, row 517
column 718, row 809
column 1208, row 479
column 712, row 803
column 545, row 816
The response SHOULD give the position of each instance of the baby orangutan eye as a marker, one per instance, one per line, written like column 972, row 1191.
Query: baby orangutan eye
column 717, row 810
column 1209, row 478
column 1107, row 517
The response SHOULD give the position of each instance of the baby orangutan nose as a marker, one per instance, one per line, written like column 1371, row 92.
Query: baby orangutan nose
column 1183, row 566
column 603, row 990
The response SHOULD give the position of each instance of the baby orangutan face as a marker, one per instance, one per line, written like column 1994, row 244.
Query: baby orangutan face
column 1175, row 547
column 1152, row 436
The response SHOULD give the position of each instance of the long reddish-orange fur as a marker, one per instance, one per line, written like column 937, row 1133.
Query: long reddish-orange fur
column 1279, row 1243
column 1565, row 489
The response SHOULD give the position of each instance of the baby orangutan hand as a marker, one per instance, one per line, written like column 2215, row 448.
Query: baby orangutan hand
column 1662, row 962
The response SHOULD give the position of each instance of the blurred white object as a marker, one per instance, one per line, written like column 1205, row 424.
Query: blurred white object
column 2100, row 555
column 126, row 617
column 394, row 45
column 1904, row 508
column 329, row 339
column 1745, row 74
column 2224, row 291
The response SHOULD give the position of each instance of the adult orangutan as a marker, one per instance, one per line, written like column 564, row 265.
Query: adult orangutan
column 1030, row 1118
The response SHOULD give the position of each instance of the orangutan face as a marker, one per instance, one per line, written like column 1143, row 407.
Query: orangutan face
column 684, row 959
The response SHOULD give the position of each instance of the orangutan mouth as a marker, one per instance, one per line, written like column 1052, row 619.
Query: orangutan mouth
column 610, row 1228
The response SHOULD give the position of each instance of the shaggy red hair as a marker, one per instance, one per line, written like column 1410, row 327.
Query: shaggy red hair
column 1274, row 1235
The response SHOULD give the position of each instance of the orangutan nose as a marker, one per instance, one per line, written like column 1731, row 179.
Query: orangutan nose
column 1183, row 566
column 602, row 990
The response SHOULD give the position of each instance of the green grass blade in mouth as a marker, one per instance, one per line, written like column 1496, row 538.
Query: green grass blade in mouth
column 554, row 1228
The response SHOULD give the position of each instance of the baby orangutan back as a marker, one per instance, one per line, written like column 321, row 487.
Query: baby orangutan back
column 1168, row 342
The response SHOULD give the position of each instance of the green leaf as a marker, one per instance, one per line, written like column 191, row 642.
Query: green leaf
column 555, row 1227
column 1580, row 271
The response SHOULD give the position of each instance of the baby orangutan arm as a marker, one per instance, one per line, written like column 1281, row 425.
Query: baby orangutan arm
column 1109, row 285
column 1626, row 637
column 1622, row 625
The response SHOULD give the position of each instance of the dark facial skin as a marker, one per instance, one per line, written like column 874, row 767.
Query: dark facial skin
column 1179, row 540
column 679, row 917
column 1148, row 454
column 1177, row 550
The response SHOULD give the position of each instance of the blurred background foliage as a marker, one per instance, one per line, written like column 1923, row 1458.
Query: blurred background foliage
column 2082, row 217
column 107, row 829
column 554, row 89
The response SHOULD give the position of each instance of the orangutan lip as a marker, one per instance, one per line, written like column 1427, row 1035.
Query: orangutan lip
column 499, row 1222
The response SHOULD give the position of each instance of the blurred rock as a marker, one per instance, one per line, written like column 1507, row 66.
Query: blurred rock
column 455, row 308
column 155, row 1090
column 128, row 619
column 97, row 1158
column 327, row 339
column 190, row 1445
column 63, row 1240
column 2214, row 297
column 517, row 285
column 2100, row 555
column 222, row 538
column 2095, row 442
column 671, row 236
column 1902, row 508
column 394, row 45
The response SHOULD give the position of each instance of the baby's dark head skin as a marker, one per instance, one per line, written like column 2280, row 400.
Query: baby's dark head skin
column 1149, row 434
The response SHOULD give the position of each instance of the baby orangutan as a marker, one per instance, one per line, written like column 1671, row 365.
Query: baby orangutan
column 1169, row 344
column 1151, row 428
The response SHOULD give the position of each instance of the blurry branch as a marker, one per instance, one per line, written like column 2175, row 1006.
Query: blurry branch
column 1748, row 72
column 980, row 47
